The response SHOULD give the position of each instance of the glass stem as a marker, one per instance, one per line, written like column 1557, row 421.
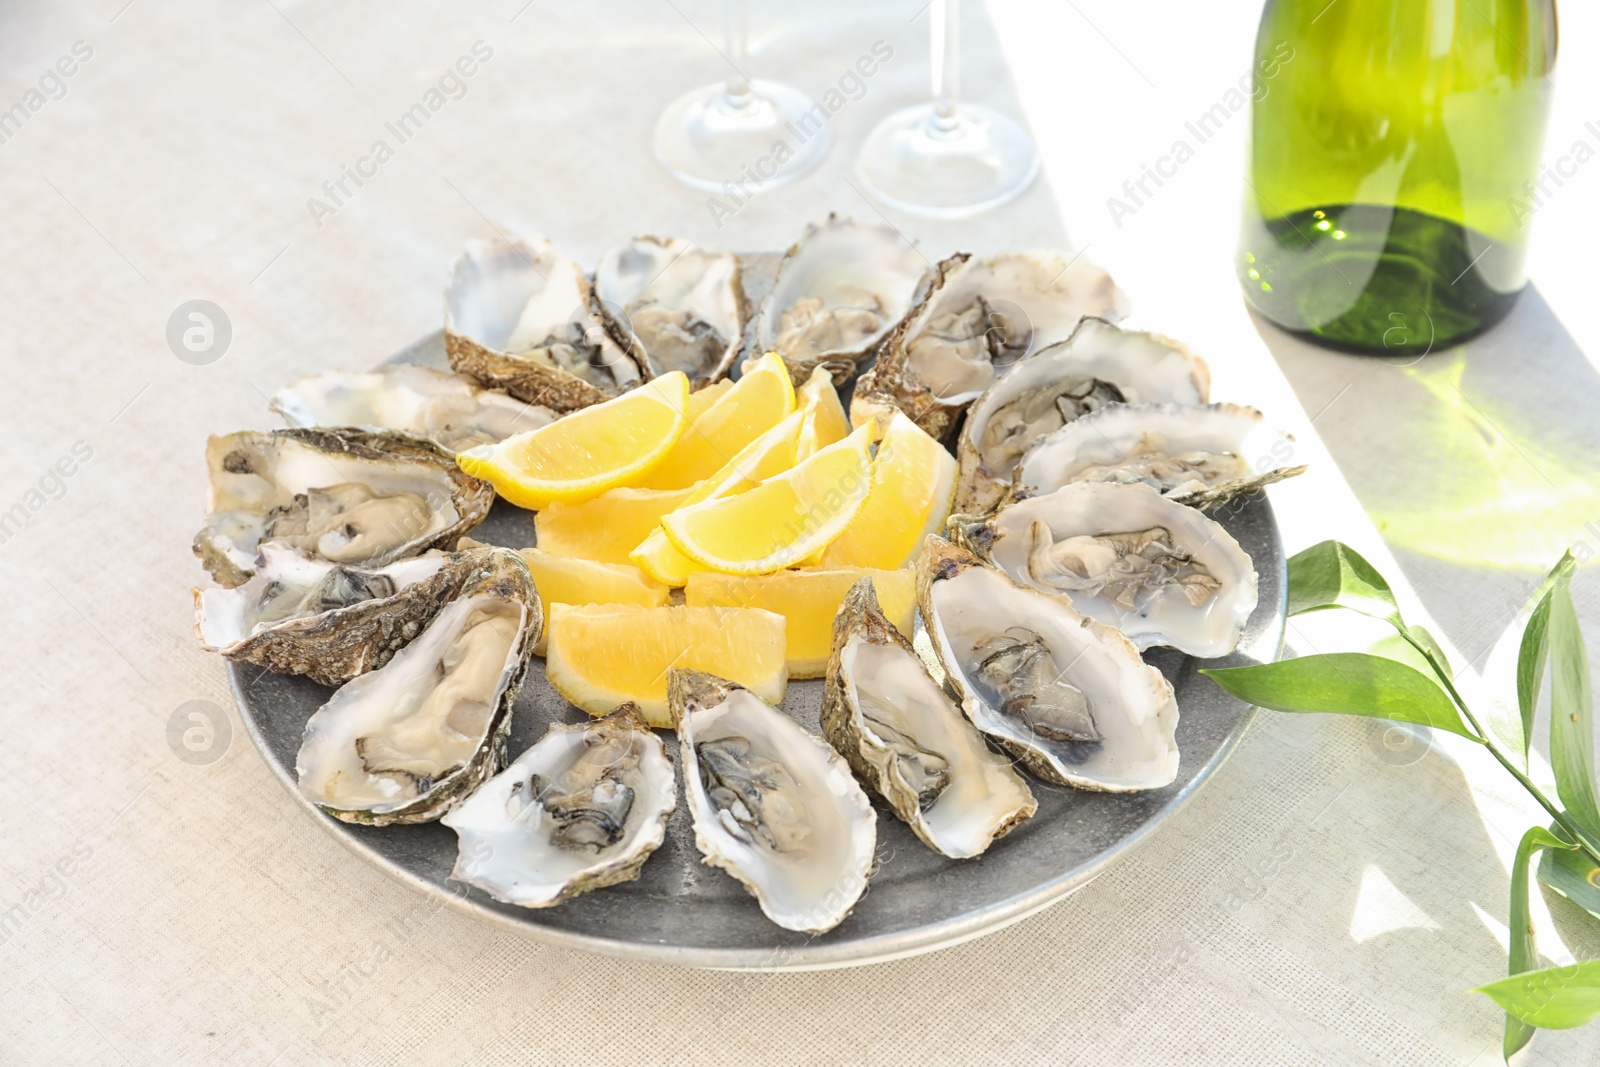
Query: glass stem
column 946, row 63
column 736, row 36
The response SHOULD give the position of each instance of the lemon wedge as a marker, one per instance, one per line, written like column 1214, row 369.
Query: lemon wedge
column 808, row 600
column 824, row 423
column 608, row 527
column 913, row 484
column 565, row 580
column 755, row 403
column 784, row 519
column 770, row 454
column 581, row 455
column 602, row 655
column 701, row 399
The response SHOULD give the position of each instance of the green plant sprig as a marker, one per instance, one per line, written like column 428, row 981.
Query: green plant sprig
column 1332, row 575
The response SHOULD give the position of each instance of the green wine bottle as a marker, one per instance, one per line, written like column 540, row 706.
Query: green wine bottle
column 1394, row 158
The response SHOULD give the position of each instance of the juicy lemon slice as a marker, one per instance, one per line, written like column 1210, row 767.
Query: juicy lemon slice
column 754, row 405
column 603, row 655
column 581, row 455
column 770, row 454
column 701, row 399
column 608, row 527
column 808, row 600
column 913, row 483
column 784, row 519
column 825, row 423
column 564, row 580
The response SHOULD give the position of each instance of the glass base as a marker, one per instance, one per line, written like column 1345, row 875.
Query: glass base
column 1377, row 279
column 947, row 168
column 709, row 138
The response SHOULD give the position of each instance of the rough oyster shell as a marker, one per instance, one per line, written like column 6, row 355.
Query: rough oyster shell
column 1100, row 363
column 581, row 809
column 1068, row 697
column 405, row 742
column 329, row 622
column 1202, row 456
column 973, row 319
column 357, row 497
column 675, row 306
column 518, row 316
column 445, row 408
column 839, row 291
column 772, row 804
column 906, row 739
column 1126, row 556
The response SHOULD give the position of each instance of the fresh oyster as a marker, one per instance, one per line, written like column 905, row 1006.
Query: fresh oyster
column 677, row 307
column 518, row 316
column 325, row 620
column 446, row 408
column 1069, row 697
column 771, row 803
column 906, row 739
column 1126, row 556
column 973, row 320
column 405, row 742
column 355, row 497
column 839, row 291
column 1202, row 456
column 1099, row 364
column 582, row 809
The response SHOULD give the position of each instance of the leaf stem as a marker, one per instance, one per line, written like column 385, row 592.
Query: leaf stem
column 1493, row 746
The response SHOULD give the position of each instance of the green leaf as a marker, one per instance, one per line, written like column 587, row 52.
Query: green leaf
column 1534, row 653
column 1524, row 954
column 1571, row 713
column 1346, row 683
column 1556, row 998
column 1573, row 875
column 1333, row 575
column 1423, row 637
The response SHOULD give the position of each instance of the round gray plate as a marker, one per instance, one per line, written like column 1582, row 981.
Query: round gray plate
column 680, row 911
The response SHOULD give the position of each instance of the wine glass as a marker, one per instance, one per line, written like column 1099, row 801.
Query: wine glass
column 943, row 159
column 722, row 135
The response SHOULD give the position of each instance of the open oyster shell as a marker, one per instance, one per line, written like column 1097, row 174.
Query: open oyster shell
column 1202, row 456
column 772, row 804
column 405, row 742
column 518, row 316
column 839, row 291
column 355, row 497
column 1068, row 697
column 582, row 809
column 675, row 306
column 973, row 320
column 445, row 408
column 1098, row 365
column 907, row 740
column 325, row 620
column 1126, row 556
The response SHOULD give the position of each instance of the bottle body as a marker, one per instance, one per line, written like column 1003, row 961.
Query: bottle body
column 1393, row 168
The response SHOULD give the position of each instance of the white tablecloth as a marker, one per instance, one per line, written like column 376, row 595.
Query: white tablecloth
column 1322, row 901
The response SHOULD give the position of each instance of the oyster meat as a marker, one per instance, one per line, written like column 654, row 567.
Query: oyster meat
column 1099, row 364
column 354, row 497
column 1126, row 556
column 771, row 803
column 1068, row 697
column 1203, row 456
column 328, row 621
column 973, row 320
column 839, row 291
column 677, row 307
column 907, row 740
column 443, row 407
column 405, row 742
column 519, row 316
column 581, row 809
